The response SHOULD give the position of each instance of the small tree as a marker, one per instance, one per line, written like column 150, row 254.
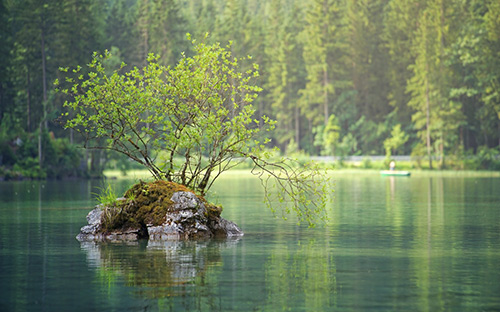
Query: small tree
column 188, row 124
column 396, row 141
column 331, row 135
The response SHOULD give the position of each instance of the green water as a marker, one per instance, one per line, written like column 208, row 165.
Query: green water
column 424, row 243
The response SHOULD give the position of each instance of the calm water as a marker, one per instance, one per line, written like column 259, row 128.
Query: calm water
column 424, row 243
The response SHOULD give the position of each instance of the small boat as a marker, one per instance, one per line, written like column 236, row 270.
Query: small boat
column 395, row 173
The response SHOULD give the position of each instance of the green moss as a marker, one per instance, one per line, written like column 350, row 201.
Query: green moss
column 213, row 211
column 144, row 203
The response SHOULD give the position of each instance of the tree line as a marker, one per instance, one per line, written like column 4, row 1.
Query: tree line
column 341, row 77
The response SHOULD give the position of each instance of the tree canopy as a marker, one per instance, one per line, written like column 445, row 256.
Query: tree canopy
column 430, row 66
column 188, row 123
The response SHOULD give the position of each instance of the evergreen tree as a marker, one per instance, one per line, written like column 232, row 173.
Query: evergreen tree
column 238, row 25
column 201, row 16
column 368, row 63
column 30, row 26
column 400, row 22
column 120, row 31
column 368, row 57
column 488, row 71
column 167, row 34
column 430, row 66
column 436, row 117
column 285, row 75
column 160, row 29
column 77, row 32
column 5, row 59
column 323, row 52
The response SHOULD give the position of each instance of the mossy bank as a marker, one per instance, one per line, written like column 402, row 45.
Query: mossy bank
column 158, row 210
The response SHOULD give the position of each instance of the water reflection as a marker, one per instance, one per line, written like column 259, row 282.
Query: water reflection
column 303, row 275
column 157, row 269
column 425, row 243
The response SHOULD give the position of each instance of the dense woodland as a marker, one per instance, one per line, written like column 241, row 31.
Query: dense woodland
column 341, row 77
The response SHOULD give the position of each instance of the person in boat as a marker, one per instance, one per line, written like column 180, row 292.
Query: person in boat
column 392, row 165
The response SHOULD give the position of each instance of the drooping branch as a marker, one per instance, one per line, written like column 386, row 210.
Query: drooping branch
column 302, row 189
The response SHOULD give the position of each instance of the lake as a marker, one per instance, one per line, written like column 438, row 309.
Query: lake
column 430, row 242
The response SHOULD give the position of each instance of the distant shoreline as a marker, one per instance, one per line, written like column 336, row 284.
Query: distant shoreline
column 144, row 174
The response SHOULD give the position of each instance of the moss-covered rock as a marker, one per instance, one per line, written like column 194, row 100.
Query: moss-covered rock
column 157, row 210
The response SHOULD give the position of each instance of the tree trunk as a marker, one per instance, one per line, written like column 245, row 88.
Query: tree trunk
column 325, row 94
column 40, row 155
column 44, row 73
column 427, row 122
column 441, row 147
column 297, row 126
column 143, row 25
column 43, row 122
column 96, row 163
column 325, row 69
column 28, row 100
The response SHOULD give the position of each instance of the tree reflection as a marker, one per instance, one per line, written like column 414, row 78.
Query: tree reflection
column 304, row 274
column 159, row 270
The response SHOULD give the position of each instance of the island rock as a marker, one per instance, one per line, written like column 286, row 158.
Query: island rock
column 157, row 211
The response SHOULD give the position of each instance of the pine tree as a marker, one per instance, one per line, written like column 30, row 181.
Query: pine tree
column 368, row 60
column 436, row 117
column 400, row 22
column 368, row 57
column 120, row 31
column 489, row 68
column 285, row 75
column 166, row 31
column 6, row 95
column 324, row 50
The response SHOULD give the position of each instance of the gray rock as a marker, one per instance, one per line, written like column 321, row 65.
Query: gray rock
column 187, row 218
column 226, row 227
column 94, row 216
column 94, row 225
column 171, row 231
column 185, row 200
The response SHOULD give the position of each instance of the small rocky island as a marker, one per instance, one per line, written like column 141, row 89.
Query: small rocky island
column 158, row 210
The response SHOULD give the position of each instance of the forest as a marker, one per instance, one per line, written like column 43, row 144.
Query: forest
column 341, row 77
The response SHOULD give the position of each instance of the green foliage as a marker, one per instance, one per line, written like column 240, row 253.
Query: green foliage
column 366, row 163
column 29, row 168
column 348, row 146
column 106, row 196
column 7, row 155
column 331, row 135
column 201, row 107
column 198, row 114
column 20, row 158
column 62, row 159
column 488, row 158
column 401, row 17
column 327, row 137
column 437, row 117
column 323, row 47
column 431, row 66
column 285, row 71
column 396, row 141
column 301, row 188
